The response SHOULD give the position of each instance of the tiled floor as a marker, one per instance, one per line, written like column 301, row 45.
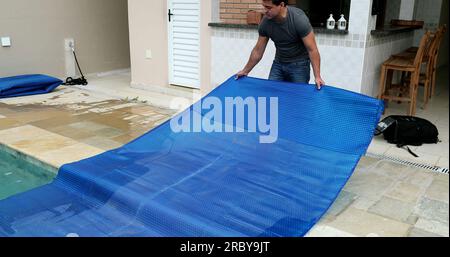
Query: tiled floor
column 381, row 198
column 437, row 111
column 72, row 124
column 387, row 199
column 118, row 86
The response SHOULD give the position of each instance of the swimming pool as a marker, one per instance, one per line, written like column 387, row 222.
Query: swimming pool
column 20, row 173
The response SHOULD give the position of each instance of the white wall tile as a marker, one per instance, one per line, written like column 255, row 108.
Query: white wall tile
column 230, row 55
column 340, row 66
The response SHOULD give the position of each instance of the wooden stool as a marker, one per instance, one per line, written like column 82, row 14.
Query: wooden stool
column 435, row 59
column 413, row 50
column 403, row 65
column 428, row 59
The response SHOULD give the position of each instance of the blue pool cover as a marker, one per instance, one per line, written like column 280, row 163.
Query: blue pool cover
column 24, row 85
column 210, row 184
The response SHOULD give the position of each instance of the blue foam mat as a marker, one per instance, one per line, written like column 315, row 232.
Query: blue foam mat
column 25, row 85
column 210, row 184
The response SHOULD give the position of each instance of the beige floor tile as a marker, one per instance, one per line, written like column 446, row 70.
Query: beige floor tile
column 405, row 192
column 53, row 122
column 7, row 123
column 109, row 132
column 378, row 146
column 431, row 209
column 124, row 139
column 441, row 176
column 70, row 154
column 5, row 110
column 393, row 209
column 26, row 132
column 371, row 186
column 433, row 227
column 327, row 231
column 417, row 232
column 444, row 135
column 438, row 190
column 393, row 170
column 115, row 121
column 101, row 142
column 443, row 162
column 439, row 149
column 366, row 162
column 36, row 115
column 363, row 204
column 39, row 146
column 419, row 178
column 361, row 223
column 75, row 134
column 88, row 125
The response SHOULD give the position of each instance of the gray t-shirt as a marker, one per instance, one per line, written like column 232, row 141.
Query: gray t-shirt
column 287, row 35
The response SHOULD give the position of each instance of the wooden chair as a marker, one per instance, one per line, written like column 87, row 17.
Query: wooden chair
column 435, row 60
column 413, row 50
column 403, row 65
column 428, row 59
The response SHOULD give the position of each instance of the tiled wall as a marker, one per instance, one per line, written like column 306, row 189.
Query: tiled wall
column 347, row 61
column 350, row 61
column 231, row 49
column 378, row 50
column 342, row 56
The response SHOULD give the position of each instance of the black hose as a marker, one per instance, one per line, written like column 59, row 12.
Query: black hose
column 78, row 81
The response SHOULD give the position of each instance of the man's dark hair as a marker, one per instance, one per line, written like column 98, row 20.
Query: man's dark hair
column 278, row 2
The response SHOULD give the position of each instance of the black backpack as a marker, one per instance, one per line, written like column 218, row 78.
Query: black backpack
column 407, row 130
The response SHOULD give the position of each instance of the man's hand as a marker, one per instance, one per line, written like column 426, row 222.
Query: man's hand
column 319, row 83
column 241, row 74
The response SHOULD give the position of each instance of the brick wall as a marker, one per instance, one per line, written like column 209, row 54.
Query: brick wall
column 235, row 11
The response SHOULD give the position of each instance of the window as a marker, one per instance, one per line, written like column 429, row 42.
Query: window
column 379, row 9
column 318, row 11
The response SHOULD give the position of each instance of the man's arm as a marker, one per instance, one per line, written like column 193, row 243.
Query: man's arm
column 310, row 43
column 255, row 56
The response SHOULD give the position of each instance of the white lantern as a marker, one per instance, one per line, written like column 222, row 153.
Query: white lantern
column 331, row 23
column 342, row 23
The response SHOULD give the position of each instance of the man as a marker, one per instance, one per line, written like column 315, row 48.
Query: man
column 295, row 43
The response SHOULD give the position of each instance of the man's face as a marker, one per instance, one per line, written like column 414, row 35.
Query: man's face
column 270, row 10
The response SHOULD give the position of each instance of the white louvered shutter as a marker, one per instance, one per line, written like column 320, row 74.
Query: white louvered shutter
column 184, row 42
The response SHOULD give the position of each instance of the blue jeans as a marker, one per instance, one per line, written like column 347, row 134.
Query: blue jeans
column 297, row 72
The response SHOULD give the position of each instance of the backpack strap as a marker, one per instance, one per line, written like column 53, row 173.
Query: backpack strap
column 409, row 150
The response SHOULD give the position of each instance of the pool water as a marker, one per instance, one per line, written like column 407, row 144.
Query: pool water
column 18, row 173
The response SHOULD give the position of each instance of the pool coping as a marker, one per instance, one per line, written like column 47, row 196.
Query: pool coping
column 31, row 159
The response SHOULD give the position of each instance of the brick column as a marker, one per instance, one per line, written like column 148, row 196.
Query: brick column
column 235, row 11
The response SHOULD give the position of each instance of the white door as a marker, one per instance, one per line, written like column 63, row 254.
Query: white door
column 184, row 42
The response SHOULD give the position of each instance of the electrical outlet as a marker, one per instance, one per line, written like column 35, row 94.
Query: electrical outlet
column 6, row 41
column 148, row 54
column 69, row 44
